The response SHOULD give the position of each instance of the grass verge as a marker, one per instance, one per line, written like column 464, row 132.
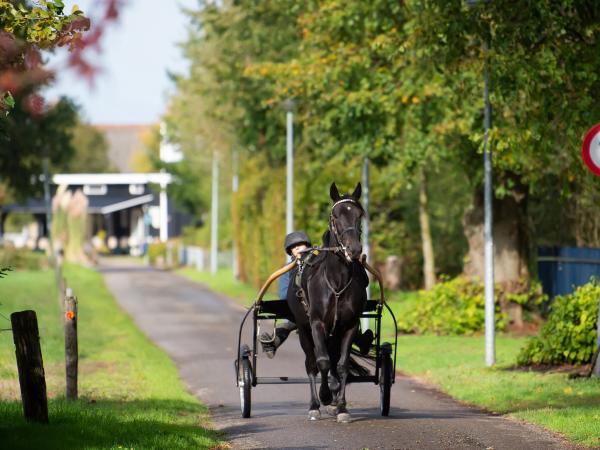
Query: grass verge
column 130, row 393
column 456, row 365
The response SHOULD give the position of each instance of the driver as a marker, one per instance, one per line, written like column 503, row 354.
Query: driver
column 295, row 245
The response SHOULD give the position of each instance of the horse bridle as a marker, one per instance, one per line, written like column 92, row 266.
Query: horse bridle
column 333, row 228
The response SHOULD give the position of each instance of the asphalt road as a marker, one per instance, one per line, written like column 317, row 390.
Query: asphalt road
column 198, row 329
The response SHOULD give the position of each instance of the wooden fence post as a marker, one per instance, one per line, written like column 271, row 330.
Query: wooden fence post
column 30, row 365
column 71, row 346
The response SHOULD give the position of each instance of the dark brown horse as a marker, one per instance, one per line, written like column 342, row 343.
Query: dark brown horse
column 332, row 299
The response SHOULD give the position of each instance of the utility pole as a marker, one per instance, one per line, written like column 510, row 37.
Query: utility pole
column 490, row 324
column 235, row 184
column 214, row 231
column 364, row 322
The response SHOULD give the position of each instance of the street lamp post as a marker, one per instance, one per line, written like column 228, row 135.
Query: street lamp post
column 364, row 322
column 490, row 325
column 214, row 222
column 288, row 105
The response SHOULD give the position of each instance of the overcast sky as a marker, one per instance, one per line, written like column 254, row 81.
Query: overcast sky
column 136, row 54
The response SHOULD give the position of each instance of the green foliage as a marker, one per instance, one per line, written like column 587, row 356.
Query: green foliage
column 44, row 24
column 156, row 250
column 401, row 83
column 453, row 307
column 22, row 259
column 25, row 139
column 569, row 336
column 90, row 151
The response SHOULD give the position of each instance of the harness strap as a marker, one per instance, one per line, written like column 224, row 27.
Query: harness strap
column 337, row 295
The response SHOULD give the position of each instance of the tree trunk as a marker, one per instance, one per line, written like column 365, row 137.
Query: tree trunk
column 428, row 255
column 511, row 245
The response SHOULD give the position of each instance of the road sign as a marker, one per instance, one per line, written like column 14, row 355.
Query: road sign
column 591, row 149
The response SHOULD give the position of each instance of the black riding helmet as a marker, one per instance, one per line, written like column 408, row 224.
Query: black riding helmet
column 295, row 238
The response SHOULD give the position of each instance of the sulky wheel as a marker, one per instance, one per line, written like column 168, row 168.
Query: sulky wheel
column 245, row 382
column 385, row 378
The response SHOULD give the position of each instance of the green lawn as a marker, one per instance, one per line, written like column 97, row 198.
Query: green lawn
column 130, row 392
column 455, row 364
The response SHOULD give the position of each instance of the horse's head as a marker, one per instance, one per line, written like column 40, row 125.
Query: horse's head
column 345, row 221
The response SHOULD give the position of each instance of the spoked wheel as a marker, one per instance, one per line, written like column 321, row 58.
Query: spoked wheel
column 385, row 378
column 245, row 382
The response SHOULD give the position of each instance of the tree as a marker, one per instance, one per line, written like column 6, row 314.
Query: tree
column 26, row 139
column 90, row 151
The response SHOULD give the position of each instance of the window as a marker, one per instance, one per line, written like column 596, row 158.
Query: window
column 94, row 189
column 136, row 189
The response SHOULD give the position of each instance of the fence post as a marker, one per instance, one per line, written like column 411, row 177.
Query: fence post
column 30, row 365
column 71, row 346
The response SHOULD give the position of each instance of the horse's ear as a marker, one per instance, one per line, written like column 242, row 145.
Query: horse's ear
column 357, row 191
column 333, row 192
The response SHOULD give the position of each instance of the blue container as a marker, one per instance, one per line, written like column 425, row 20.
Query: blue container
column 562, row 269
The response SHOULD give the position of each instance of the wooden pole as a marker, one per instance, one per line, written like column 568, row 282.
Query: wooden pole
column 71, row 346
column 30, row 365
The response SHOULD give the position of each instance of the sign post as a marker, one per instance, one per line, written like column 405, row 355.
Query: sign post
column 590, row 152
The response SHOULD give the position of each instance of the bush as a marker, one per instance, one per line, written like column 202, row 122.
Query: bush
column 22, row 259
column 452, row 307
column 156, row 250
column 569, row 335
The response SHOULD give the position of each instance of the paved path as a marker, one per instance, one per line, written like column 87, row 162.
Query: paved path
column 198, row 329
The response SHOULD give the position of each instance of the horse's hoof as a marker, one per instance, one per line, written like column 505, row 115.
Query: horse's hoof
column 344, row 417
column 331, row 410
column 314, row 414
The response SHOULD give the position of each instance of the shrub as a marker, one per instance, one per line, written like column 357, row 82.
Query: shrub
column 454, row 306
column 22, row 259
column 569, row 335
column 155, row 250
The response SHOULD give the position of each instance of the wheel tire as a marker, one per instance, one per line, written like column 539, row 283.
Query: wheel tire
column 245, row 388
column 385, row 379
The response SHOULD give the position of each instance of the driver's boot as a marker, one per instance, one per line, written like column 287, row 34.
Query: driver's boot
column 270, row 343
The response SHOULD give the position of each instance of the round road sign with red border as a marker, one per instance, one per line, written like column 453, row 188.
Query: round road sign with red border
column 591, row 149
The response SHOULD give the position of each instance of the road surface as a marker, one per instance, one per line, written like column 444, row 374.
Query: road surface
column 198, row 329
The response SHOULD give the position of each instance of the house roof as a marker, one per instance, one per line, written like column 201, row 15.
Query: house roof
column 123, row 142
column 162, row 178
column 97, row 204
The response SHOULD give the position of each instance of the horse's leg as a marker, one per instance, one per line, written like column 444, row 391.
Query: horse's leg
column 322, row 358
column 311, row 370
column 334, row 379
column 342, row 369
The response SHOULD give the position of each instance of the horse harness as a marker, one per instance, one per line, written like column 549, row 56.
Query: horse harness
column 310, row 259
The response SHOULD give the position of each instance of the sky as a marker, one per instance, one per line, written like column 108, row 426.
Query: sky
column 137, row 53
